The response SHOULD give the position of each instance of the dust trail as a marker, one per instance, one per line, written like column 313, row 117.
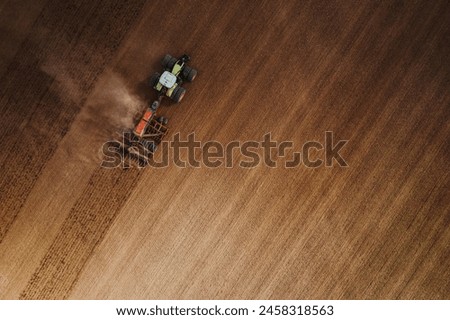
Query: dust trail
column 67, row 85
column 110, row 109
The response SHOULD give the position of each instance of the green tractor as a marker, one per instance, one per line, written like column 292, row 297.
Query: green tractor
column 176, row 71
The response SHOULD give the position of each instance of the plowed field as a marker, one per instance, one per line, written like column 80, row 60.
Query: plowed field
column 377, row 74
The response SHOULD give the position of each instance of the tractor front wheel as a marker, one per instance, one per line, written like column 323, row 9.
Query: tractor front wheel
column 168, row 62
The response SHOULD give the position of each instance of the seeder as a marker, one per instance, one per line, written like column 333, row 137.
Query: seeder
column 142, row 142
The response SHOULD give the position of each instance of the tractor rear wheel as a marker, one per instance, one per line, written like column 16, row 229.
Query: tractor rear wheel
column 178, row 94
column 153, row 81
column 189, row 73
column 168, row 62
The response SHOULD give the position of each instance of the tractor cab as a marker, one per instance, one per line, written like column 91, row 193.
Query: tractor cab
column 168, row 79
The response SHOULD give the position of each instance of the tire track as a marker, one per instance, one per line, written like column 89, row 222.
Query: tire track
column 84, row 228
column 39, row 105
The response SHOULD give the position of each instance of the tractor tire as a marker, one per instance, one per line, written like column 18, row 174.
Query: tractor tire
column 153, row 81
column 189, row 73
column 178, row 94
column 168, row 62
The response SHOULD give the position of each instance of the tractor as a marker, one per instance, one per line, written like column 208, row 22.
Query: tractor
column 175, row 72
column 144, row 139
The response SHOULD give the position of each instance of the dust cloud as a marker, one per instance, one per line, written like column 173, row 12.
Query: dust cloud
column 110, row 108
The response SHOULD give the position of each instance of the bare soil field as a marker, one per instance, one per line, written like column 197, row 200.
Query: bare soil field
column 72, row 74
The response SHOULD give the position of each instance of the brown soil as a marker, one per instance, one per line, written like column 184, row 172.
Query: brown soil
column 72, row 74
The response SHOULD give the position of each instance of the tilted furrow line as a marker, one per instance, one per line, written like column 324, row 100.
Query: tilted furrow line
column 36, row 109
column 84, row 228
